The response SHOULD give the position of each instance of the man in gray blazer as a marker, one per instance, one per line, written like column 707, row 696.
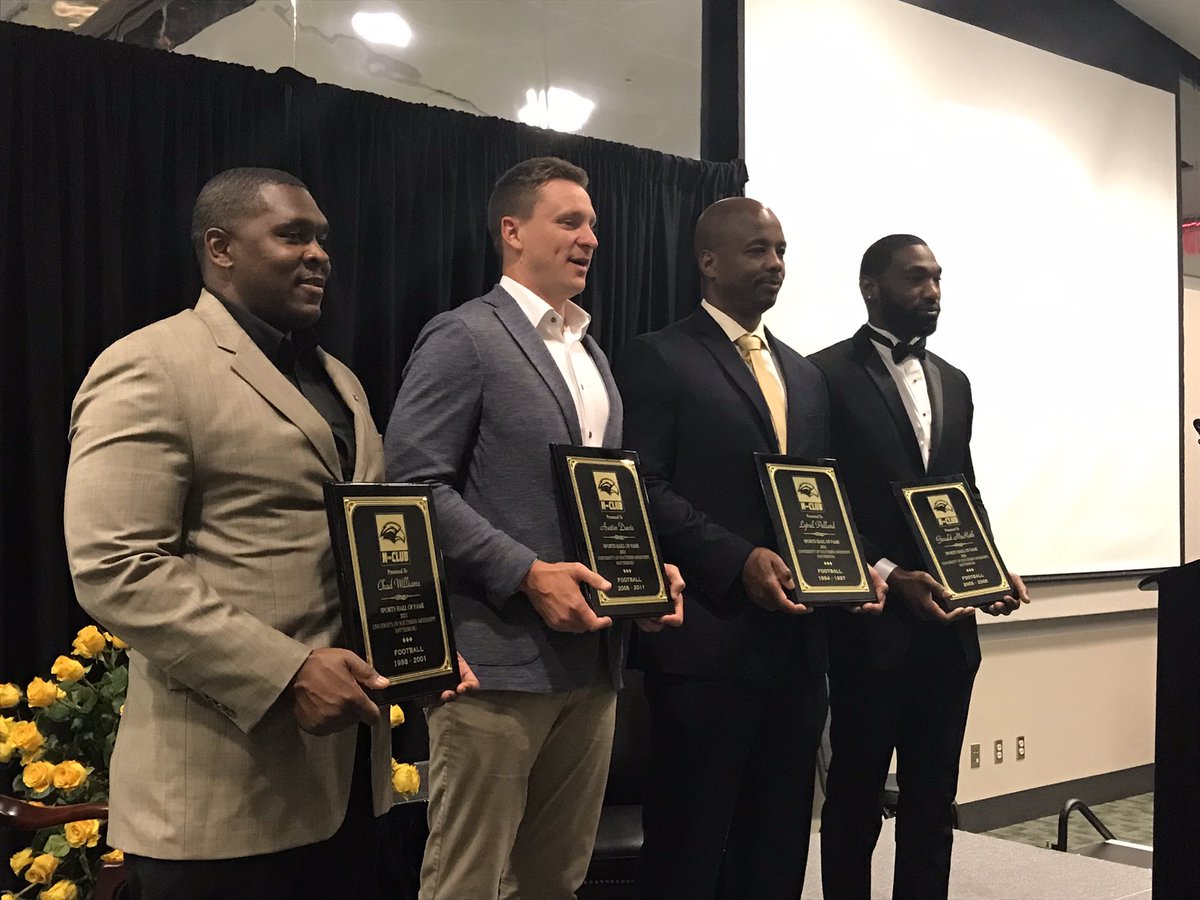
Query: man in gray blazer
column 517, row 771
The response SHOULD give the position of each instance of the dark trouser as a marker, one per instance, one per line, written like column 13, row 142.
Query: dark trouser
column 344, row 866
column 920, row 710
column 731, row 778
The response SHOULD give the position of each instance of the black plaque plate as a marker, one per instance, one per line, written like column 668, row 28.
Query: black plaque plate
column 814, row 529
column 392, row 585
column 954, row 541
column 605, row 501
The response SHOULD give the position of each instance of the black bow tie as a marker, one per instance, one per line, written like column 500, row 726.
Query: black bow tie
column 900, row 352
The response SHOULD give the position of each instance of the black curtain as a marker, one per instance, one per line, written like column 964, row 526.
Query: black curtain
column 103, row 148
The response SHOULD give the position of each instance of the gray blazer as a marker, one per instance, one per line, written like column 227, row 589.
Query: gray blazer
column 480, row 403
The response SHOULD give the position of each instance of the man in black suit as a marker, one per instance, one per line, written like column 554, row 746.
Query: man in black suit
column 737, row 702
column 902, row 680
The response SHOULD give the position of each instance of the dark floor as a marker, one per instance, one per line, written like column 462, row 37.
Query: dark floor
column 1131, row 819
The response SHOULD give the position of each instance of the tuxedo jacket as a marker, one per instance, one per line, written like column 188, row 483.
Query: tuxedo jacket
column 696, row 416
column 874, row 444
column 196, row 531
column 481, row 402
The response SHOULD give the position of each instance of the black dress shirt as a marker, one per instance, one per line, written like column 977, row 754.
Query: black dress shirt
column 295, row 355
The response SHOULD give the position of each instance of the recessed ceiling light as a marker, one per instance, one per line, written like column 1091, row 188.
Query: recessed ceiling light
column 382, row 28
column 557, row 108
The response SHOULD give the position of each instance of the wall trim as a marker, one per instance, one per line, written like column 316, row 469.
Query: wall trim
column 1048, row 800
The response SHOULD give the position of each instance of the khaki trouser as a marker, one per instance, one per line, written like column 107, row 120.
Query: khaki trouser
column 516, row 781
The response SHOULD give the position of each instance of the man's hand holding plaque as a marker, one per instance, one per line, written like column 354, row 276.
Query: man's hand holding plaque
column 820, row 560
column 393, row 588
column 604, row 500
column 964, row 569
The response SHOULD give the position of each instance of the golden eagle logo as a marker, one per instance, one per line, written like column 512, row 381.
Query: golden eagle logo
column 393, row 538
column 943, row 509
column 808, row 493
column 608, row 490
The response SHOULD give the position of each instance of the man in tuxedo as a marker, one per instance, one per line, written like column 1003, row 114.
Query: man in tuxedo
column 251, row 752
column 737, row 695
column 517, row 771
column 901, row 681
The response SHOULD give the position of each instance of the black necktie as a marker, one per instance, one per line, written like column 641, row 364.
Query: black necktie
column 900, row 351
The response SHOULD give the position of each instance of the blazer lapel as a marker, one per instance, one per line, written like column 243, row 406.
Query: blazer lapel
column 364, row 425
column 727, row 357
column 612, row 428
column 253, row 367
column 517, row 324
column 868, row 356
column 785, row 359
column 933, row 381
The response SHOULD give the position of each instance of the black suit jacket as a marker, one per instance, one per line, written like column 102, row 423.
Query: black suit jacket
column 695, row 415
column 874, row 444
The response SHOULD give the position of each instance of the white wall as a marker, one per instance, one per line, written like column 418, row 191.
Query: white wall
column 1080, row 688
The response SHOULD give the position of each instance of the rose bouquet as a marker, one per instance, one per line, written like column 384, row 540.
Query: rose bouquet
column 57, row 737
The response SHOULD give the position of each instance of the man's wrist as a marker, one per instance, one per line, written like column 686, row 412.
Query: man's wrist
column 884, row 568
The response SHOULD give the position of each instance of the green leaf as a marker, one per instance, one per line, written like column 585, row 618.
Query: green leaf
column 56, row 845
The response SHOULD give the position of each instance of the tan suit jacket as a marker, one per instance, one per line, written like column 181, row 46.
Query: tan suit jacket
column 196, row 531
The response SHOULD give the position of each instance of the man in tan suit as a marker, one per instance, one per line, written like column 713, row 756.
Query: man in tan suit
column 196, row 531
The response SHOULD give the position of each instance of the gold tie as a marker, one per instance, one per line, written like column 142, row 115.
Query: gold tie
column 752, row 351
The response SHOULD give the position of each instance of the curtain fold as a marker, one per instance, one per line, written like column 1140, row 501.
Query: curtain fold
column 103, row 149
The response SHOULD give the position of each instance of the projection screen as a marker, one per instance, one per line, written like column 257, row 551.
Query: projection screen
column 1047, row 190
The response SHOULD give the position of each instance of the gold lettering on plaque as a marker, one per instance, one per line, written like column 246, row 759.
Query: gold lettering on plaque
column 943, row 509
column 608, row 490
column 393, row 540
column 807, row 493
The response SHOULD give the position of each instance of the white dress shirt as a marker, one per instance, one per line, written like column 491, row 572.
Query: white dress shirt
column 914, row 394
column 734, row 331
column 563, row 337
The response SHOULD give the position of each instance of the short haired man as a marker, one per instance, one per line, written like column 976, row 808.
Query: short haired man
column 196, row 530
column 517, row 772
column 901, row 681
column 737, row 698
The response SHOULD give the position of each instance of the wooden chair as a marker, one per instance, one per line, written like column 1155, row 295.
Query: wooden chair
column 18, row 815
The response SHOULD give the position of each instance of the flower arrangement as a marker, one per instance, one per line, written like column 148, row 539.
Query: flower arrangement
column 58, row 736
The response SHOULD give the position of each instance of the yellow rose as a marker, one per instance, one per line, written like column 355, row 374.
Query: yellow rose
column 81, row 834
column 114, row 856
column 67, row 670
column 69, row 775
column 62, row 890
column 117, row 643
column 25, row 736
column 396, row 714
column 88, row 642
column 8, row 895
column 18, row 861
column 6, row 723
column 10, row 695
column 41, row 870
column 6, row 751
column 41, row 693
column 38, row 776
column 405, row 778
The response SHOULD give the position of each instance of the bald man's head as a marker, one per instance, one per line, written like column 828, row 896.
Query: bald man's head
column 739, row 250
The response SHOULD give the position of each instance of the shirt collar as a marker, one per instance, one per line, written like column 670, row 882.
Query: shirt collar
column 543, row 317
column 731, row 328
column 266, row 336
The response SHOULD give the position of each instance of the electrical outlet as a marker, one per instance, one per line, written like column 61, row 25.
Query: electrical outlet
column 1020, row 746
column 974, row 756
column 999, row 751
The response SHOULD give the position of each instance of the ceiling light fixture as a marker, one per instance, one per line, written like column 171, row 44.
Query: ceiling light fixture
column 382, row 28
column 557, row 108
